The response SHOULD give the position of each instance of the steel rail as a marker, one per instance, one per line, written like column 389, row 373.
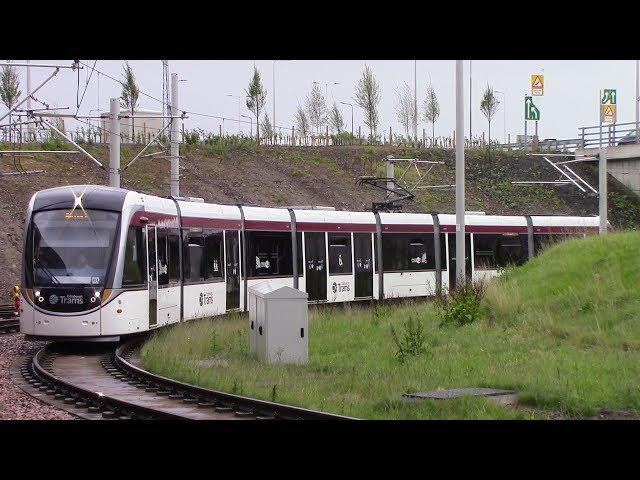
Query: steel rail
column 261, row 407
column 96, row 398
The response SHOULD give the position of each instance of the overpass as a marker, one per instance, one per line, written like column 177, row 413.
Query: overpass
column 623, row 161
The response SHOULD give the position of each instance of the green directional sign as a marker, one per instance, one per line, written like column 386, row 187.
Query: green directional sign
column 608, row 96
column 531, row 112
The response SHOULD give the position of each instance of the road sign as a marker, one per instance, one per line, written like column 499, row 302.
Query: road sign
column 608, row 113
column 608, row 96
column 531, row 112
column 537, row 85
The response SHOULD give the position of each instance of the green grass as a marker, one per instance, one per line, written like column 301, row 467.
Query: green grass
column 562, row 330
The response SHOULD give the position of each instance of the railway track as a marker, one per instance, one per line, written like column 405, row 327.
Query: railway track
column 98, row 381
column 9, row 319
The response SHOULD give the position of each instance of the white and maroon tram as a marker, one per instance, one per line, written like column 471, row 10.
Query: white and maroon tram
column 101, row 262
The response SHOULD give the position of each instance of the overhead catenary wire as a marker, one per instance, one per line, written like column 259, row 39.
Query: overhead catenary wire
column 185, row 111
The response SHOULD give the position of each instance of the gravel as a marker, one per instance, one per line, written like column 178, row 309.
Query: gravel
column 14, row 403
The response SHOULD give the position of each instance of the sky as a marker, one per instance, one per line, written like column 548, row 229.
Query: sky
column 570, row 98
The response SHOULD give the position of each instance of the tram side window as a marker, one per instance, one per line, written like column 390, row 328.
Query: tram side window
column 133, row 273
column 173, row 245
column 340, row 253
column 192, row 258
column 163, row 258
column 511, row 250
column 408, row 251
column 213, row 267
column 269, row 254
column 484, row 250
column 543, row 241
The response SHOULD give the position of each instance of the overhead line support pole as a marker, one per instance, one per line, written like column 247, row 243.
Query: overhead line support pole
column 460, row 184
column 114, row 143
column 55, row 72
column 53, row 127
column 175, row 135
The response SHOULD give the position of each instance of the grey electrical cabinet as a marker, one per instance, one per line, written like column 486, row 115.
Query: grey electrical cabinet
column 278, row 323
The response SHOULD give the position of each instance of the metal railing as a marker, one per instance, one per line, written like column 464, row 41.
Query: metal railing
column 610, row 136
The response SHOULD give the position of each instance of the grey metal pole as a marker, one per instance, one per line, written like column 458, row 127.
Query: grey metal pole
column 30, row 126
column 525, row 135
column 274, row 93
column 175, row 132
column 460, row 203
column 114, row 143
column 470, row 105
column 600, row 116
column 390, row 174
column 637, row 100
column 602, row 190
column 415, row 101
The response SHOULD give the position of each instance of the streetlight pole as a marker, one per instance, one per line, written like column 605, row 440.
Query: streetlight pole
column 415, row 101
column 460, row 187
column 236, row 96
column 637, row 99
column 250, row 124
column 470, row 105
column 351, row 105
column 504, row 115
column 274, row 93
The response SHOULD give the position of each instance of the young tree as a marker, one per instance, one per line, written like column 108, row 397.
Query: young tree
column 316, row 108
column 336, row 122
column 130, row 94
column 302, row 122
column 489, row 107
column 9, row 89
column 405, row 110
column 267, row 129
column 367, row 96
column 431, row 109
column 256, row 98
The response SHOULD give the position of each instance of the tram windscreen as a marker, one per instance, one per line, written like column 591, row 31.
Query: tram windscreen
column 72, row 248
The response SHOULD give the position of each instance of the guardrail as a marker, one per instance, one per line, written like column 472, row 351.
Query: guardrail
column 609, row 136
column 535, row 145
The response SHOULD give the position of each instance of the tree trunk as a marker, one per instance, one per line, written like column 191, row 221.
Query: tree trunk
column 433, row 131
column 258, row 127
column 489, row 135
column 132, row 127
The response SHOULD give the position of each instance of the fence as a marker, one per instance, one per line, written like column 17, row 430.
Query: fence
column 612, row 134
column 95, row 134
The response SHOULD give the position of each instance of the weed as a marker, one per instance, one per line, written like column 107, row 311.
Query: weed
column 462, row 306
column 412, row 342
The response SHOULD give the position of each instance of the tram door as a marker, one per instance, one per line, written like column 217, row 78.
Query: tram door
column 231, row 249
column 362, row 256
column 316, row 265
column 452, row 257
column 152, row 266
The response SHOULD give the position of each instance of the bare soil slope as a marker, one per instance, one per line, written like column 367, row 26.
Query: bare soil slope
column 278, row 176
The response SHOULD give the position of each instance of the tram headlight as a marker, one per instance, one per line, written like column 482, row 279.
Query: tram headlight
column 41, row 299
column 37, row 292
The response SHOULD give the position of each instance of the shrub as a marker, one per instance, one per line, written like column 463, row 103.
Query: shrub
column 462, row 306
column 412, row 342
column 53, row 142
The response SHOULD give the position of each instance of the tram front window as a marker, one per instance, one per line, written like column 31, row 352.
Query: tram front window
column 72, row 248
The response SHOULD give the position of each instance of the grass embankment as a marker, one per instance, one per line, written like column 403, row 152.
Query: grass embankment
column 562, row 330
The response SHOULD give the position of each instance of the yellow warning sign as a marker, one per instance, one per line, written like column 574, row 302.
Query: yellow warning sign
column 608, row 113
column 537, row 85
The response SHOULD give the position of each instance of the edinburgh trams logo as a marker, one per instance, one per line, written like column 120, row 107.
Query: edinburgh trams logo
column 340, row 287
column 66, row 299
column 206, row 298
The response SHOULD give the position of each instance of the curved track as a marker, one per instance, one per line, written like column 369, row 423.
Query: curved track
column 100, row 381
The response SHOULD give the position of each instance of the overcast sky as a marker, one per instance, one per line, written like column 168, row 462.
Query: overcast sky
column 570, row 98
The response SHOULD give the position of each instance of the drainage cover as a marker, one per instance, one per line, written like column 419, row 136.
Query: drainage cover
column 459, row 392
